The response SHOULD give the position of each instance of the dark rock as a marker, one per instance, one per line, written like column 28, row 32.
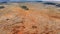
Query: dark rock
column 49, row 3
column 58, row 5
column 1, row 7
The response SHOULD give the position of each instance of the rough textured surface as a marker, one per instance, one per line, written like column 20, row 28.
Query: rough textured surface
column 39, row 19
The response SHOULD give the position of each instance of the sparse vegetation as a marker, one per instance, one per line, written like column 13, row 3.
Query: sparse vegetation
column 25, row 7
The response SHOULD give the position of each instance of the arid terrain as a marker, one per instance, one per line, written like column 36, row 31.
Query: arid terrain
column 29, row 18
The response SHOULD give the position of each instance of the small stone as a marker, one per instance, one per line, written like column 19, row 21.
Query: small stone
column 7, row 19
column 34, row 26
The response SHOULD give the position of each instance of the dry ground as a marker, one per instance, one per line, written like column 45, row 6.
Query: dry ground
column 29, row 18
